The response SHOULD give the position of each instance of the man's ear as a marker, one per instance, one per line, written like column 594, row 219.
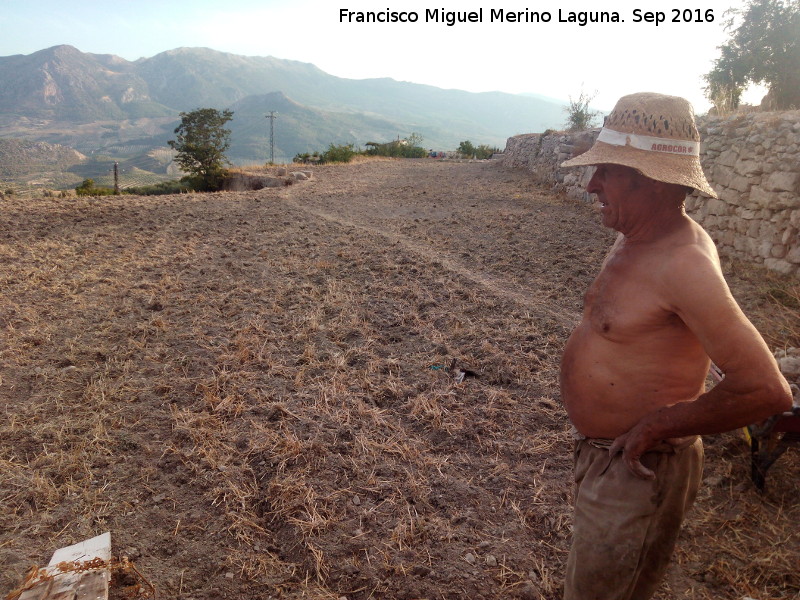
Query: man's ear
column 671, row 190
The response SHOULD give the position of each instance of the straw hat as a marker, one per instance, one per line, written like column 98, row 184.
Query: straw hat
column 654, row 134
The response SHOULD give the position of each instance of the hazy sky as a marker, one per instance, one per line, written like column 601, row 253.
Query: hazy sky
column 556, row 59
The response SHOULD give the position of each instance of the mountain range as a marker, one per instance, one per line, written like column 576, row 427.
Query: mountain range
column 103, row 105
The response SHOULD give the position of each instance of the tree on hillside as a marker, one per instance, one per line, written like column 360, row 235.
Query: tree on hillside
column 482, row 152
column 579, row 115
column 764, row 48
column 415, row 140
column 201, row 145
column 466, row 148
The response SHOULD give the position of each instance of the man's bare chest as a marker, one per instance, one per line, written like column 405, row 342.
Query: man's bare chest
column 627, row 303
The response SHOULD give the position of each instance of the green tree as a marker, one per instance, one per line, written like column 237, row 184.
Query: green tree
column 201, row 145
column 415, row 139
column 466, row 148
column 485, row 151
column 725, row 82
column 579, row 115
column 764, row 48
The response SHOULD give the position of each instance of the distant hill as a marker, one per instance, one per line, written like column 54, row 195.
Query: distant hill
column 179, row 78
column 64, row 84
column 102, row 104
column 37, row 163
column 21, row 156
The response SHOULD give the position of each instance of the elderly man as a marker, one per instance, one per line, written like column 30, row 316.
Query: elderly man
column 633, row 371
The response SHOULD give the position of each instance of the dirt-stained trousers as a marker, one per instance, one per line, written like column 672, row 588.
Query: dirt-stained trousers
column 624, row 527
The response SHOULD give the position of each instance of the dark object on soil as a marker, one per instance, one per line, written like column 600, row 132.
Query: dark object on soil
column 461, row 374
column 769, row 440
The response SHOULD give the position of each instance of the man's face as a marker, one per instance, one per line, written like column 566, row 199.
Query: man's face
column 623, row 193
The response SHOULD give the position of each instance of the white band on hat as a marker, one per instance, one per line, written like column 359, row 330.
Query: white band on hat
column 651, row 144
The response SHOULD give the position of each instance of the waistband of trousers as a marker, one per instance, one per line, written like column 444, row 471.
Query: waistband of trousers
column 669, row 446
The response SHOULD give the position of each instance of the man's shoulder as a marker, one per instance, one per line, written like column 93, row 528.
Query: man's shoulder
column 690, row 248
column 692, row 268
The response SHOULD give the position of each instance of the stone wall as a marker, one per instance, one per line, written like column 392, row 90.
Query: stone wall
column 752, row 161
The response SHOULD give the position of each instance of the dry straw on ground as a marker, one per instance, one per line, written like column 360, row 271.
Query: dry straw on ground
column 253, row 391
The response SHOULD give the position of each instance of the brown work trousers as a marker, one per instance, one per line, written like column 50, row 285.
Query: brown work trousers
column 624, row 529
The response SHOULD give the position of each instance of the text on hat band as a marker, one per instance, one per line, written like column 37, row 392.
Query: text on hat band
column 649, row 143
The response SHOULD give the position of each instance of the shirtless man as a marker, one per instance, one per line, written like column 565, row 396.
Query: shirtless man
column 633, row 371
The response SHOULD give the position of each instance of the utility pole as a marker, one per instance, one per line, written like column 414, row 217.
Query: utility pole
column 271, row 116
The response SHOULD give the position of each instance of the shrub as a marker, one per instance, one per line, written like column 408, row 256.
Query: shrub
column 414, row 152
column 158, row 189
column 484, row 151
column 406, row 148
column 579, row 115
column 87, row 188
column 468, row 150
column 343, row 153
column 305, row 157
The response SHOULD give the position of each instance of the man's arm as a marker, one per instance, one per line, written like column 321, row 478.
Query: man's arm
column 753, row 388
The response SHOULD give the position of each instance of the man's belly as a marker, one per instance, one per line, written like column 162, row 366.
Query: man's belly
column 606, row 387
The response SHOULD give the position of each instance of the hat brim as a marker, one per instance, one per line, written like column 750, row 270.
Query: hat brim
column 669, row 168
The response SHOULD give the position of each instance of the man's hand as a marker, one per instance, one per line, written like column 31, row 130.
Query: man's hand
column 632, row 446
column 639, row 440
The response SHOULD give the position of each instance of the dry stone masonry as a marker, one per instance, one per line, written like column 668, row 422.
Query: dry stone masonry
column 752, row 160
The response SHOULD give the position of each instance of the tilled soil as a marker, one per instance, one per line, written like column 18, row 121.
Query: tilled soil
column 257, row 393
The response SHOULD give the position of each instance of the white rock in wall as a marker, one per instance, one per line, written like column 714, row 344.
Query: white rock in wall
column 727, row 158
column 571, row 179
column 760, row 197
column 730, row 196
column 787, row 200
column 723, row 174
column 749, row 168
column 789, row 362
column 783, row 181
column 778, row 251
column 793, row 256
column 779, row 265
column 768, row 232
column 740, row 183
column 716, row 207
